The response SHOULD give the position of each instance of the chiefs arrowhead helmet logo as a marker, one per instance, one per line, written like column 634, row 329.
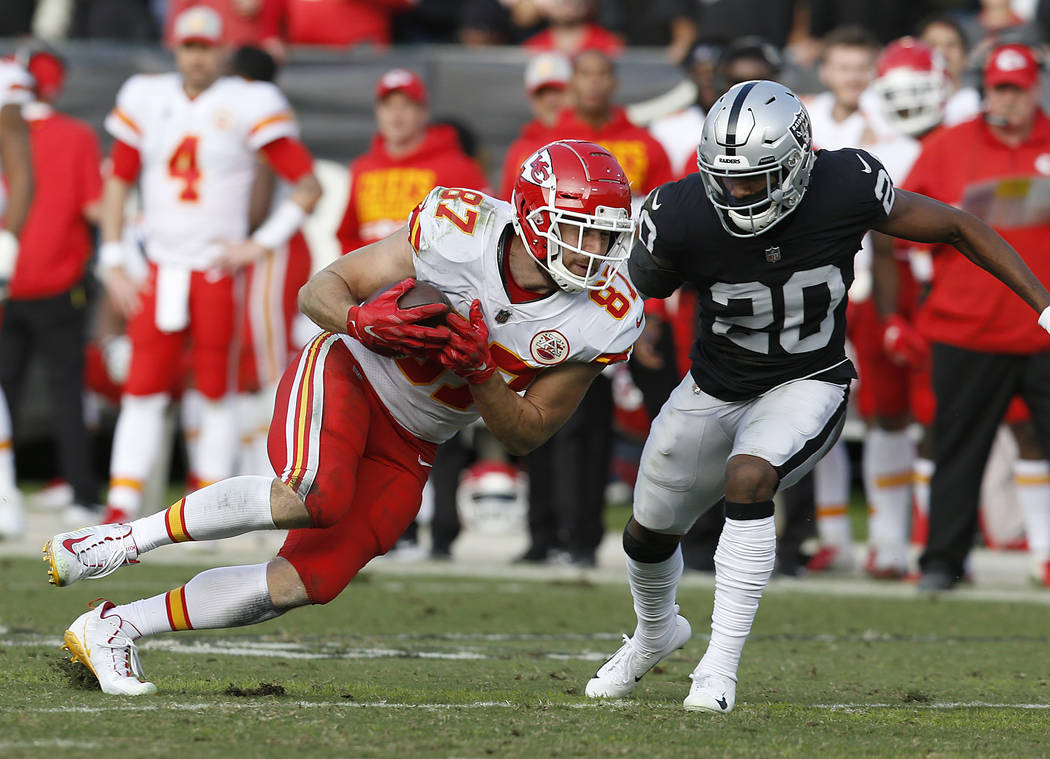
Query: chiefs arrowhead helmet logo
column 541, row 169
column 538, row 169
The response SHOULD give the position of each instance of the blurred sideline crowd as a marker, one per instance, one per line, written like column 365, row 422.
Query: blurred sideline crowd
column 896, row 78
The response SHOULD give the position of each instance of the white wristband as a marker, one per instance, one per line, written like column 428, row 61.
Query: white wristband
column 110, row 254
column 280, row 225
column 1044, row 319
column 8, row 254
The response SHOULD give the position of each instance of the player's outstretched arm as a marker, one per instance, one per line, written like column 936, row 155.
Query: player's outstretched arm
column 922, row 219
column 524, row 423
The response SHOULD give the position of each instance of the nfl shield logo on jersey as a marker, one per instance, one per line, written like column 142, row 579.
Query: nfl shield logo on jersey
column 772, row 254
column 549, row 347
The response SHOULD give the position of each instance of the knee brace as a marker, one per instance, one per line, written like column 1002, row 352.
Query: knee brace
column 648, row 547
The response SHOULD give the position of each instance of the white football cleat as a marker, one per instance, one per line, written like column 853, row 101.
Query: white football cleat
column 89, row 553
column 100, row 640
column 711, row 693
column 621, row 673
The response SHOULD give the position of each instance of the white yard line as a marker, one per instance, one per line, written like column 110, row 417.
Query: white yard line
column 271, row 704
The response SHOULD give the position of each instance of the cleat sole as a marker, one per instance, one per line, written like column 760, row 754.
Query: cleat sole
column 79, row 653
column 52, row 570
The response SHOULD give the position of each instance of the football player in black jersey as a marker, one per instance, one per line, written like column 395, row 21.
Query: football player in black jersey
column 766, row 231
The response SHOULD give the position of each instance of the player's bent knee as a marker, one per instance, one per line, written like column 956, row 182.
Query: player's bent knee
column 286, row 588
column 750, row 478
column 287, row 509
column 646, row 546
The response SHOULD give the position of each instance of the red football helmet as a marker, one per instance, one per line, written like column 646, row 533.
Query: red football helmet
column 567, row 185
column 912, row 85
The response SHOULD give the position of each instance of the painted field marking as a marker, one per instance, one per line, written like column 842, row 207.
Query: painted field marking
column 616, row 704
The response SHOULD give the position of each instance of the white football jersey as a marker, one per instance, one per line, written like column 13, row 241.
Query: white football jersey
column 16, row 85
column 860, row 129
column 198, row 159
column 457, row 237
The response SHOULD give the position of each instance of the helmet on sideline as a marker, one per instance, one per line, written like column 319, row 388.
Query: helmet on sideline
column 912, row 86
column 756, row 129
column 562, row 190
column 492, row 498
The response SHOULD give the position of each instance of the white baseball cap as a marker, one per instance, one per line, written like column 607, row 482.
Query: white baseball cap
column 198, row 23
column 547, row 70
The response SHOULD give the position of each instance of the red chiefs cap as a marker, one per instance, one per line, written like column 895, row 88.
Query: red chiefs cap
column 1012, row 64
column 402, row 80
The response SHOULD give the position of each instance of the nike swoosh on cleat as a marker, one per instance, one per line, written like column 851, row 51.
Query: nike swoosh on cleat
column 68, row 543
column 722, row 701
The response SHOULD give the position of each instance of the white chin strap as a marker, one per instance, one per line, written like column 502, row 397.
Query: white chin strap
column 754, row 222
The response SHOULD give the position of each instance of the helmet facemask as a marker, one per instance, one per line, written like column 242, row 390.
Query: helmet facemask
column 757, row 131
column 564, row 230
column 912, row 101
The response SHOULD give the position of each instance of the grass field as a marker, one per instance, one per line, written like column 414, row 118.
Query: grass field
column 434, row 666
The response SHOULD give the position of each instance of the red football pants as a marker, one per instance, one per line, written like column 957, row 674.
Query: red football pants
column 156, row 356
column 359, row 472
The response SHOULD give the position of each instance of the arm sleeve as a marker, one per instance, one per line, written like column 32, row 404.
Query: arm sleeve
column 126, row 161
column 269, row 115
column 651, row 266
column 289, row 158
column 124, row 122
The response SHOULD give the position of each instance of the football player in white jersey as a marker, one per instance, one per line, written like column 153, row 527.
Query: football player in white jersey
column 190, row 138
column 540, row 307
column 16, row 88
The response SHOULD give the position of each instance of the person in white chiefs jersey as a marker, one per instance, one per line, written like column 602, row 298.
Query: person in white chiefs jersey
column 540, row 308
column 191, row 139
column 16, row 89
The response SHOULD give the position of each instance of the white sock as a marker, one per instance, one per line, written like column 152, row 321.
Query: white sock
column 922, row 474
column 217, row 444
column 743, row 565
column 136, row 440
column 230, row 507
column 7, row 451
column 653, row 587
column 216, row 598
column 888, row 460
column 831, row 493
column 1032, row 483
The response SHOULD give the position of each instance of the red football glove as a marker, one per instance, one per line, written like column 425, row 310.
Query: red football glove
column 384, row 328
column 903, row 344
column 467, row 353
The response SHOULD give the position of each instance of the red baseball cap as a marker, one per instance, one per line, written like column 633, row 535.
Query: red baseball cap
column 49, row 73
column 198, row 23
column 402, row 80
column 1012, row 64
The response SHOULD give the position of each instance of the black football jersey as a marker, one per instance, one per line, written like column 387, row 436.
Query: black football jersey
column 772, row 307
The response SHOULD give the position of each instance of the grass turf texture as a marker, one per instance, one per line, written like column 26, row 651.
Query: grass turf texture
column 453, row 667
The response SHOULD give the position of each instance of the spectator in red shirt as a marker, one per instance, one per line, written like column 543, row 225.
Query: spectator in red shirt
column 985, row 347
column 336, row 23
column 406, row 160
column 572, row 30
column 47, row 308
column 595, row 117
column 546, row 79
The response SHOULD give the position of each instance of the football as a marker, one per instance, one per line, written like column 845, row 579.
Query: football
column 422, row 294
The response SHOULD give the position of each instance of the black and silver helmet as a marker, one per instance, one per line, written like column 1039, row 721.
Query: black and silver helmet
column 756, row 129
